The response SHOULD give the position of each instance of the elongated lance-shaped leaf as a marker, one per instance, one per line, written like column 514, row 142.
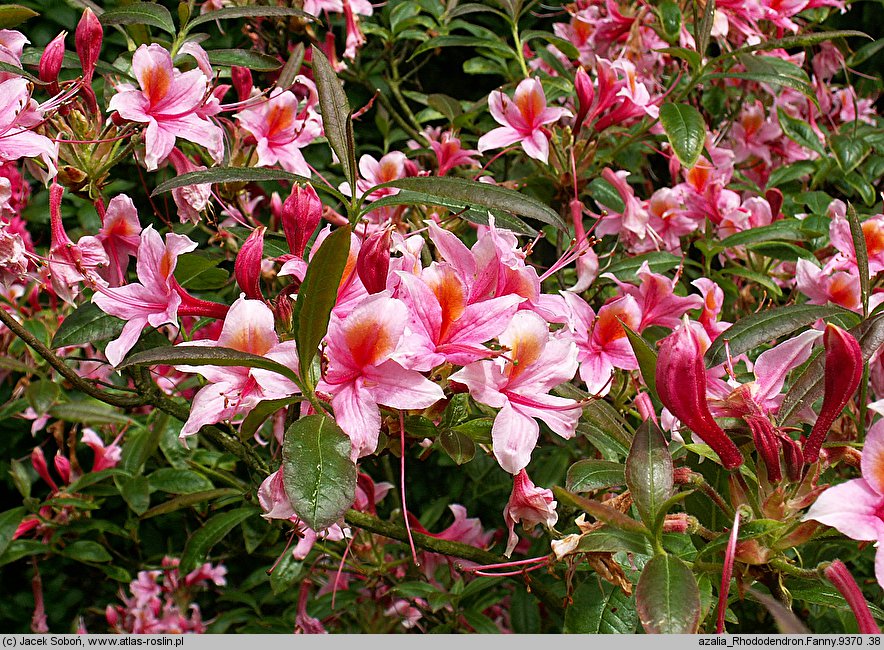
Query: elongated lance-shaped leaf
column 197, row 355
column 599, row 607
column 9, row 522
column 764, row 327
column 810, row 384
column 862, row 255
column 600, row 511
column 649, row 472
column 249, row 12
column 592, row 474
column 475, row 194
column 703, row 26
column 318, row 475
column 337, row 120
column 87, row 324
column 318, row 294
column 255, row 61
column 667, row 597
column 685, row 130
column 646, row 356
column 209, row 534
column 799, row 132
column 228, row 175
column 801, row 40
column 12, row 15
column 140, row 13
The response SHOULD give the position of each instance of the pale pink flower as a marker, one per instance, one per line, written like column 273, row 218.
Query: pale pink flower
column 530, row 505
column 450, row 154
column 519, row 386
column 755, row 133
column 656, row 298
column 232, row 391
column 633, row 219
column 856, row 508
column 120, row 235
column 13, row 263
column 634, row 90
column 364, row 370
column 190, row 200
column 522, row 118
column 19, row 114
column 281, row 129
column 372, row 171
column 11, row 45
column 106, row 456
column 170, row 102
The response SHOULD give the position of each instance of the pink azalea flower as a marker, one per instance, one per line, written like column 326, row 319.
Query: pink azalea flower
column 169, row 102
column 656, row 298
column 19, row 114
column 856, row 508
column 373, row 172
column 450, row 154
column 282, row 129
column 529, row 504
column 190, row 200
column 120, row 235
column 106, row 456
column 232, row 391
column 364, row 370
column 841, row 288
column 845, row 258
column 633, row 219
column 11, row 45
column 519, row 384
column 522, row 118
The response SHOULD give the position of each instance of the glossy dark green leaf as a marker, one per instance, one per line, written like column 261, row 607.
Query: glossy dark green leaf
column 758, row 278
column 286, row 574
column 318, row 294
column 9, row 522
column 459, row 446
column 600, row 511
column 703, row 26
column 20, row 548
column 136, row 492
column 319, row 477
column 646, row 356
column 463, row 41
column 140, row 13
column 12, row 15
column 783, row 251
column 255, row 61
column 763, row 327
column 605, row 195
column 649, row 471
column 849, row 151
column 771, row 71
column 249, row 11
column 800, row 40
column 210, row 533
column 800, row 132
column 196, row 355
column 691, row 56
column 229, row 175
column 592, row 474
column 626, row 269
column 259, row 415
column 88, row 411
column 862, row 255
column 685, row 130
column 667, row 597
column 17, row 71
column 87, row 324
column 778, row 230
column 188, row 500
column 670, row 19
column 473, row 193
column 86, row 551
column 42, row 394
column 599, row 607
column 337, row 119
column 562, row 45
column 864, row 53
column 612, row 540
column 178, row 481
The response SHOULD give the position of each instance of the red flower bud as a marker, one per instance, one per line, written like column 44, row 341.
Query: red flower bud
column 88, row 42
column 844, row 369
column 50, row 62
column 242, row 81
column 765, row 437
column 585, row 96
column 247, row 267
column 793, row 458
column 839, row 576
column 681, row 385
column 63, row 467
column 38, row 460
column 676, row 523
column 373, row 262
column 301, row 213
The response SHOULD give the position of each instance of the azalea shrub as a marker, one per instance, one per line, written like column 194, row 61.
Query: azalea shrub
column 429, row 316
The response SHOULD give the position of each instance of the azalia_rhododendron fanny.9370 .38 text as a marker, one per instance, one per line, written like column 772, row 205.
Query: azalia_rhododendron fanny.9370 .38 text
column 332, row 317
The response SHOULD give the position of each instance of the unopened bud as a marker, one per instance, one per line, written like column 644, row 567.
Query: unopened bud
column 765, row 438
column 793, row 458
column 247, row 267
column 681, row 475
column 50, row 62
column 373, row 262
column 585, row 96
column 283, row 312
column 840, row 577
column 844, row 369
column 38, row 460
column 301, row 213
column 88, row 42
column 242, row 82
column 63, row 467
column 681, row 385
column 676, row 523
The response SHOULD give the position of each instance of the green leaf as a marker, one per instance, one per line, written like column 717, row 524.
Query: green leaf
column 864, row 53
column 562, row 45
column 87, row 324
column 317, row 296
column 200, row 272
column 285, row 574
column 667, row 597
column 691, row 56
column 188, row 500
column 258, row 415
column 784, row 251
column 229, row 175
column 862, row 255
column 337, row 119
column 793, row 172
column 670, row 19
column 319, row 477
column 249, row 12
column 9, row 522
column 763, row 327
column 758, row 278
column 600, row 511
column 255, row 61
column 459, row 446
column 85, row 550
column 801, row 40
column 475, row 194
column 605, row 428
column 592, row 474
column 649, row 471
column 800, row 132
column 42, row 394
column 605, row 195
column 626, row 269
column 524, row 611
column 646, row 356
column 13, row 15
column 772, row 71
column 703, row 27
column 849, row 152
column 140, row 13
column 462, row 41
column 600, row 608
column 196, row 355
column 210, row 533
column 178, row 481
column 686, row 131
column 778, row 230
column 612, row 540
column 20, row 548
column 136, row 492
column 88, row 411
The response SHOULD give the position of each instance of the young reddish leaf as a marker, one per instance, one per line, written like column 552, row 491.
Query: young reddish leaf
column 319, row 477
column 667, row 597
